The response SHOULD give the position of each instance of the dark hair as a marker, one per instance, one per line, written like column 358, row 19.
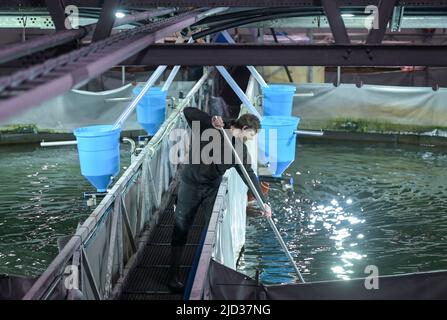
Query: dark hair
column 247, row 120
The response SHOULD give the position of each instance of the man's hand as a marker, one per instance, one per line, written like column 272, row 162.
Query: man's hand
column 217, row 122
column 267, row 212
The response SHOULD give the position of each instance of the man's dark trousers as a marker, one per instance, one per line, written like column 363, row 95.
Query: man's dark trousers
column 189, row 199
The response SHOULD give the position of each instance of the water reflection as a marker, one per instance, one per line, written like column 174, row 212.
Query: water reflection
column 339, row 225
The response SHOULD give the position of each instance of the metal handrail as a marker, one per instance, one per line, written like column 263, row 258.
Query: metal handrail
column 87, row 230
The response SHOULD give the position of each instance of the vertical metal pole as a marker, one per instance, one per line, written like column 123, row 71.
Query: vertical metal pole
column 24, row 21
column 123, row 75
column 120, row 240
column 128, row 227
column 112, row 244
column 338, row 75
column 310, row 69
column 90, row 277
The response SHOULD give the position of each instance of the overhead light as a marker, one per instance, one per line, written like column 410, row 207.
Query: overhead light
column 120, row 15
column 347, row 15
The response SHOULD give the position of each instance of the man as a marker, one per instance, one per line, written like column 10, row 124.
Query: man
column 200, row 180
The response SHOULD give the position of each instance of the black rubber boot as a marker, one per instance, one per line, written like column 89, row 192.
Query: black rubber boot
column 174, row 284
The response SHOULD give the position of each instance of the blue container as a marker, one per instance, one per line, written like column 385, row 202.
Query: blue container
column 278, row 100
column 151, row 109
column 99, row 154
column 277, row 142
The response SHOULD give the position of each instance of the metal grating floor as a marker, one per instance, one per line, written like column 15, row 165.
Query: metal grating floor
column 148, row 279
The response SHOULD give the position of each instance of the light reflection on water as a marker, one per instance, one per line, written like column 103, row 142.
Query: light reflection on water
column 354, row 206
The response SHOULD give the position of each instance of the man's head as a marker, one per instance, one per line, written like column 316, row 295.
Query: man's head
column 246, row 126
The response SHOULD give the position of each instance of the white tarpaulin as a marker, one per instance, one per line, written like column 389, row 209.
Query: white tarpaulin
column 414, row 106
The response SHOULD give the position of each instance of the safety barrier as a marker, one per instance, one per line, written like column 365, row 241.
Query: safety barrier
column 96, row 258
column 225, row 236
column 95, row 261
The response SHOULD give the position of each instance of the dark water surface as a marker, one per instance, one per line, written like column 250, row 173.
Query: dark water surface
column 41, row 199
column 353, row 206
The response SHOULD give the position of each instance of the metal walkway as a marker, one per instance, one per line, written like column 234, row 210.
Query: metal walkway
column 147, row 281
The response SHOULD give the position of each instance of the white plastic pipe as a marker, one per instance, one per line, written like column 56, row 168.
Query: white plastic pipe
column 252, row 69
column 307, row 94
column 125, row 99
column 173, row 73
column 150, row 82
column 238, row 91
column 309, row 133
column 58, row 143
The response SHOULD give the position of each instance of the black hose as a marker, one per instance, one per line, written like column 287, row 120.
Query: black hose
column 247, row 14
column 241, row 22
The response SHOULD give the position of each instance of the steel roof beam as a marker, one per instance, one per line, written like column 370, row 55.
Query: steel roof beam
column 16, row 51
column 291, row 55
column 227, row 3
column 106, row 20
column 385, row 12
column 336, row 22
column 30, row 87
column 57, row 11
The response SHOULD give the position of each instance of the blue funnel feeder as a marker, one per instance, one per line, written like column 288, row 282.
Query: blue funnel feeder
column 277, row 142
column 99, row 154
column 278, row 100
column 151, row 109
